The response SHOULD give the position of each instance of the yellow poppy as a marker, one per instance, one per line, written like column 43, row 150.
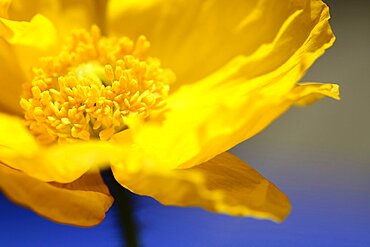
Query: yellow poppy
column 158, row 90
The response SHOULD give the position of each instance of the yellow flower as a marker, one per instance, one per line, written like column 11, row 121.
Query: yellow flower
column 162, row 110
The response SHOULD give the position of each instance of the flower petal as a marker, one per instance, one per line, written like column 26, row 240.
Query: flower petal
column 21, row 45
column 65, row 14
column 194, row 131
column 4, row 6
column 61, row 163
column 283, row 62
column 11, row 78
column 241, row 98
column 14, row 137
column 311, row 92
column 23, row 10
column 196, row 38
column 224, row 184
column 82, row 203
column 29, row 40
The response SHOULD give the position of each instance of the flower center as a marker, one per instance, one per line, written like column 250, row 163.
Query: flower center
column 92, row 86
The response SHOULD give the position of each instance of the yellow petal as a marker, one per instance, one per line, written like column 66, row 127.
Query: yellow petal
column 65, row 163
column 4, row 6
column 82, row 203
column 23, row 10
column 242, row 87
column 201, row 124
column 61, row 163
column 65, row 14
column 21, row 45
column 196, row 38
column 308, row 93
column 14, row 137
column 224, row 184
column 29, row 40
column 11, row 79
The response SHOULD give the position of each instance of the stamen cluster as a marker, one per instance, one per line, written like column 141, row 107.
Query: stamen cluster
column 92, row 86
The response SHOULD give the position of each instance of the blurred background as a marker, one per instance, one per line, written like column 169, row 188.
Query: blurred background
column 319, row 156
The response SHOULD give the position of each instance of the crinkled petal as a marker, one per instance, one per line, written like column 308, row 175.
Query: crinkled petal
column 82, row 203
column 311, row 92
column 61, row 163
column 282, row 63
column 224, row 184
column 196, row 38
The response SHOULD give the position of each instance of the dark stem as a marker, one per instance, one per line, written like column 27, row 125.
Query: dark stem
column 125, row 207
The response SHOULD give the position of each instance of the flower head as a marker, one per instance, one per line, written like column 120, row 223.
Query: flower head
column 158, row 90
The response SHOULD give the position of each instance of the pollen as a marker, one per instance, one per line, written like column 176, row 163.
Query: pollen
column 91, row 88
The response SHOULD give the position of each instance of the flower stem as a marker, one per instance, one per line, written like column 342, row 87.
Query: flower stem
column 125, row 207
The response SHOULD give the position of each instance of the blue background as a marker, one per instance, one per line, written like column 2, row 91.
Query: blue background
column 319, row 156
column 327, row 211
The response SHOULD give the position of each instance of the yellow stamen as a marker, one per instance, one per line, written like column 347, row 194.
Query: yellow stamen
column 90, row 88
